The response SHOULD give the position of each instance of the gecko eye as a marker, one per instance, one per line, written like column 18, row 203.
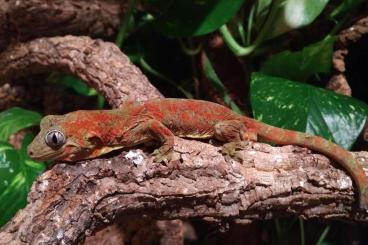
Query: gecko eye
column 55, row 139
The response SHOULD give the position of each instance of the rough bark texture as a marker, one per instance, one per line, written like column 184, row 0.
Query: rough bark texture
column 70, row 201
column 25, row 20
column 353, row 33
column 111, row 235
column 139, row 230
column 338, row 81
column 105, row 68
column 101, row 64
column 339, row 84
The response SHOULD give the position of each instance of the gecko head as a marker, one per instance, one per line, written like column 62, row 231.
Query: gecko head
column 56, row 141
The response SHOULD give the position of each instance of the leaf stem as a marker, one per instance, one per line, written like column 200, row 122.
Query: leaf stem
column 234, row 46
column 339, row 24
column 250, row 24
column 323, row 236
column 188, row 50
column 237, row 49
column 156, row 73
column 302, row 237
column 124, row 25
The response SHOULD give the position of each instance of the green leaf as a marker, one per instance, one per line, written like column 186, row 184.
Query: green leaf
column 211, row 75
column 302, row 107
column 76, row 85
column 301, row 65
column 262, row 7
column 182, row 18
column 17, row 173
column 15, row 119
column 292, row 14
column 72, row 82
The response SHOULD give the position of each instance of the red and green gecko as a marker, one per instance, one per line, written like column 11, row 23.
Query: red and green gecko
column 87, row 134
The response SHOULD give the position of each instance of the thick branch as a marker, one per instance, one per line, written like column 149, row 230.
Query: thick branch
column 101, row 64
column 69, row 201
column 25, row 20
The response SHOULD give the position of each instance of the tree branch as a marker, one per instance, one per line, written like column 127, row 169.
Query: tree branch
column 25, row 20
column 72, row 200
column 101, row 64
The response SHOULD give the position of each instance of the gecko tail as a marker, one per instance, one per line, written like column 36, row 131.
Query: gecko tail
column 343, row 157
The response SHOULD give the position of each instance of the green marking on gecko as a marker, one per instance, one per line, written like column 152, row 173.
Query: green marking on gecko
column 88, row 134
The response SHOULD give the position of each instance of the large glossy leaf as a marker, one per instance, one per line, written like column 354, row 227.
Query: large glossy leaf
column 15, row 119
column 292, row 14
column 183, row 18
column 17, row 173
column 305, row 108
column 301, row 65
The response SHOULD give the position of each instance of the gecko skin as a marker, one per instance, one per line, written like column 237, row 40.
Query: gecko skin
column 87, row 134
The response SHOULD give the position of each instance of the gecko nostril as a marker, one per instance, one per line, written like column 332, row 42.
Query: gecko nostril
column 30, row 153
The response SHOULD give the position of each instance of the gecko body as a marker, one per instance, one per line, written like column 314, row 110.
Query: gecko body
column 87, row 134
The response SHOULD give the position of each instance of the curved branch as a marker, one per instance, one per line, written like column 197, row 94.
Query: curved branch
column 25, row 20
column 338, row 82
column 69, row 201
column 101, row 64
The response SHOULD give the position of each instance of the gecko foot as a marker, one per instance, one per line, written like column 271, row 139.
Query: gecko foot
column 162, row 157
column 230, row 150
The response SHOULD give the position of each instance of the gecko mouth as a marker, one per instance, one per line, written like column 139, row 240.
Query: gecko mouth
column 46, row 156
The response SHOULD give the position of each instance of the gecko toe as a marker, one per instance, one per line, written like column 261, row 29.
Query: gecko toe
column 230, row 150
column 160, row 157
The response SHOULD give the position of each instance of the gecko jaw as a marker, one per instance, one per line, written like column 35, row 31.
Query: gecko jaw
column 54, row 155
column 51, row 156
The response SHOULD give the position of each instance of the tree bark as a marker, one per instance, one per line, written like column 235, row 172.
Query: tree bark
column 100, row 64
column 103, row 66
column 70, row 201
column 25, row 20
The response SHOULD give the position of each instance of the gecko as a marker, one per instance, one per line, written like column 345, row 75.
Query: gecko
column 87, row 134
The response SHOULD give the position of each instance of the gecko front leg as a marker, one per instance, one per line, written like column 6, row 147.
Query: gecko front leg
column 154, row 130
column 235, row 133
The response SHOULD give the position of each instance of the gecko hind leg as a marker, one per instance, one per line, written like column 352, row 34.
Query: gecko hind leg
column 235, row 133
